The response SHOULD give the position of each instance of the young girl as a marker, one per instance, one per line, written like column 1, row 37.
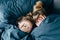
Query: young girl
column 25, row 23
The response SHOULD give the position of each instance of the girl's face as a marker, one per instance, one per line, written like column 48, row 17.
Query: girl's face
column 25, row 23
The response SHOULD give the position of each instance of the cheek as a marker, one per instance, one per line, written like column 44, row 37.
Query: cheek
column 30, row 26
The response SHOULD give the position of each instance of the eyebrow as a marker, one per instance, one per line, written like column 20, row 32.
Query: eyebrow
column 24, row 25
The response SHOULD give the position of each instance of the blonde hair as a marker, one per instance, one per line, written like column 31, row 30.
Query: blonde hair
column 38, row 9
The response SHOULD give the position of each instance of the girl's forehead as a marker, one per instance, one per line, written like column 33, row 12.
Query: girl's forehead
column 26, row 21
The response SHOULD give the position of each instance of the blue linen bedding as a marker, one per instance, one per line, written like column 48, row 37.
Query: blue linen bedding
column 10, row 10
